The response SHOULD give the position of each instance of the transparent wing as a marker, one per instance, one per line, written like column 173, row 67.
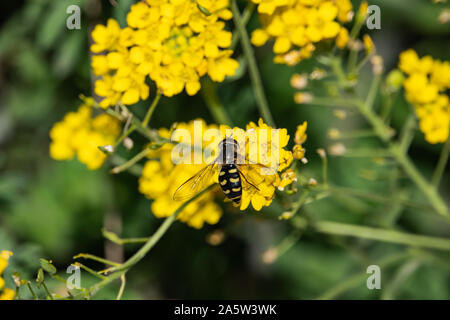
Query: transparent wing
column 248, row 183
column 263, row 169
column 194, row 184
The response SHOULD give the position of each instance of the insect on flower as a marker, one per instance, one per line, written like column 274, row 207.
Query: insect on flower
column 231, row 178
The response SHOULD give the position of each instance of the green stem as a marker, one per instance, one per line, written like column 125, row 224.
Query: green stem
column 89, row 270
column 122, row 287
column 151, row 109
column 380, row 128
column 140, row 254
column 124, row 135
column 111, row 236
column 130, row 162
column 332, row 102
column 359, row 278
column 376, row 197
column 407, row 134
column 95, row 258
column 384, row 235
column 46, row 291
column 373, row 91
column 31, row 290
column 252, row 66
column 428, row 189
column 212, row 101
column 404, row 272
column 442, row 162
column 246, row 15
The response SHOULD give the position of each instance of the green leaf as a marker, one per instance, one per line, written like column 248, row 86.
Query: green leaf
column 47, row 266
column 40, row 278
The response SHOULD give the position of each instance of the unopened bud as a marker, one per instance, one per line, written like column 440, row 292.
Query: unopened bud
column 299, row 81
column 340, row 114
column 270, row 255
column 334, row 133
column 317, row 74
column 108, row 149
column 444, row 16
column 285, row 215
column 312, row 182
column 302, row 97
column 128, row 143
column 337, row 149
column 377, row 64
column 215, row 238
column 321, row 152
column 394, row 80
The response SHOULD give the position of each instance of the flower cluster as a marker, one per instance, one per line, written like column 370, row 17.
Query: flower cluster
column 161, row 177
column 80, row 134
column 297, row 25
column 426, row 85
column 5, row 293
column 267, row 170
column 271, row 153
column 172, row 42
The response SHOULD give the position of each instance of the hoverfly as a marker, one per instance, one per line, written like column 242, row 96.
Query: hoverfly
column 231, row 179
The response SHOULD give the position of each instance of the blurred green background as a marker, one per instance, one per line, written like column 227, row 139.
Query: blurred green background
column 56, row 209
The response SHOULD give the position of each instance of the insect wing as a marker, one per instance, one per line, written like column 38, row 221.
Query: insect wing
column 194, row 184
column 248, row 183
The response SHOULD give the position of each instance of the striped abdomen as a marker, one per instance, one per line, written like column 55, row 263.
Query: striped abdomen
column 230, row 182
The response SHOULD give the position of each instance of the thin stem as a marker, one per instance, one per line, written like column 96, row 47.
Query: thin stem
column 89, row 270
column 373, row 91
column 332, row 102
column 442, row 162
column 46, row 291
column 428, row 189
column 151, row 109
column 359, row 278
column 252, row 66
column 130, row 162
column 125, row 134
column 384, row 235
column 299, row 203
column 31, row 290
column 212, row 101
column 111, row 236
column 407, row 134
column 140, row 254
column 404, row 272
column 117, row 160
column 122, row 287
column 98, row 259
column 380, row 128
column 376, row 197
column 246, row 15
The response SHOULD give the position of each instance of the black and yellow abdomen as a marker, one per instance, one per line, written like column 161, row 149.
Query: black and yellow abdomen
column 230, row 182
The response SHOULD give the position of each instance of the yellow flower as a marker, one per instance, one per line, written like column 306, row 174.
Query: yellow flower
column 161, row 177
column 300, row 138
column 79, row 134
column 426, row 88
column 368, row 44
column 287, row 178
column 174, row 43
column 296, row 25
column 5, row 293
column 262, row 148
column 342, row 38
